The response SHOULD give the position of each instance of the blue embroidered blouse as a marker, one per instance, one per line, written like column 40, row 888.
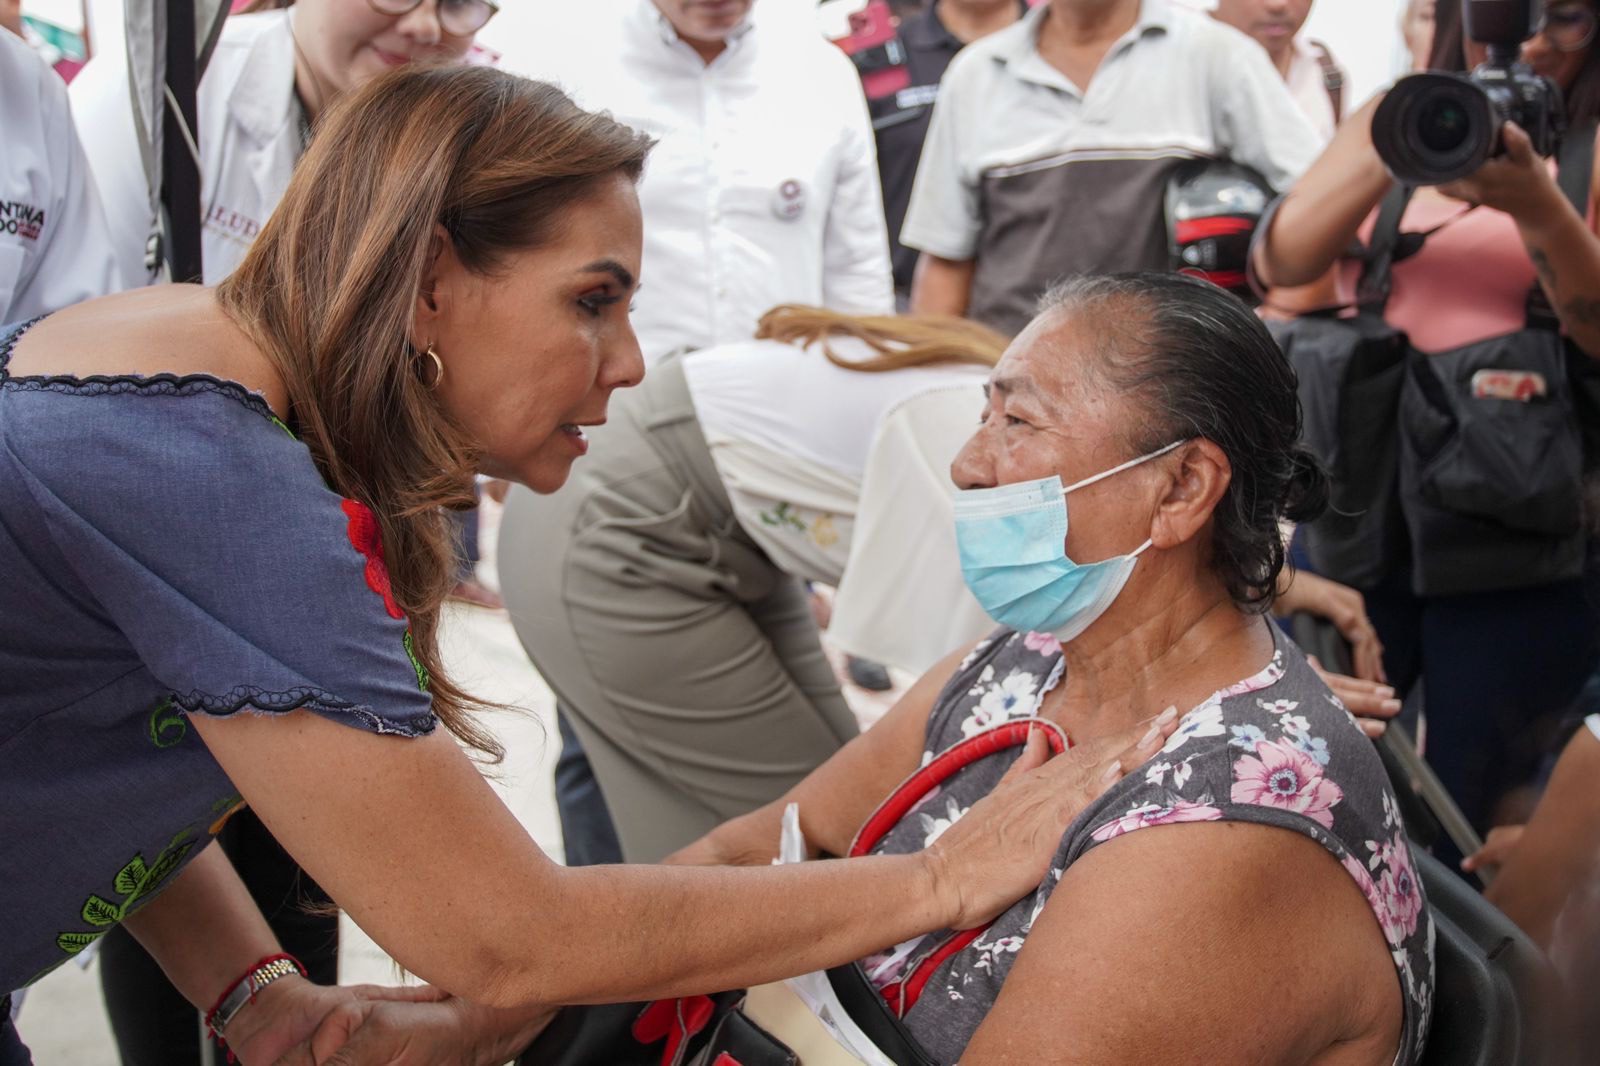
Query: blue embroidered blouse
column 168, row 549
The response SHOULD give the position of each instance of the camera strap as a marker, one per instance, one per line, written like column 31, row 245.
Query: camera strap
column 1372, row 293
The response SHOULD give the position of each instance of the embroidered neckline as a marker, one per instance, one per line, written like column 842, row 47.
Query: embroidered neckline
column 162, row 384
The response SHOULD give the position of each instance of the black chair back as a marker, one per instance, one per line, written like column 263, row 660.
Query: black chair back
column 1494, row 986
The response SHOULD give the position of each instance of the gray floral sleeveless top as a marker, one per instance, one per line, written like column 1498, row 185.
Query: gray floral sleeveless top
column 1276, row 749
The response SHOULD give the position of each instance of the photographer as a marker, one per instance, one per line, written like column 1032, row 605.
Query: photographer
column 1484, row 608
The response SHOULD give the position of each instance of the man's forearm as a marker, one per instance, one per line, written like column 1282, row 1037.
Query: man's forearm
column 942, row 286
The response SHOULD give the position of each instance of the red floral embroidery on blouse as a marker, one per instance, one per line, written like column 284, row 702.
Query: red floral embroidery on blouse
column 367, row 539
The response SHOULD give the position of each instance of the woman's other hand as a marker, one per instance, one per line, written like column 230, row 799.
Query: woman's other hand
column 1497, row 848
column 1346, row 609
column 1001, row 849
column 442, row 1032
column 1370, row 701
column 1516, row 181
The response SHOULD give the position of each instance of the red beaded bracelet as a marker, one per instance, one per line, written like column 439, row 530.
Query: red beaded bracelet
column 245, row 989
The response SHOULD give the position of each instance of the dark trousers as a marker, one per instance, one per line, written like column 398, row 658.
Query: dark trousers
column 153, row 1024
column 1497, row 668
column 13, row 1052
column 586, row 829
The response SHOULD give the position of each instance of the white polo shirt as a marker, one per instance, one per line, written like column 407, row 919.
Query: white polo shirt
column 1036, row 179
column 55, row 247
column 763, row 186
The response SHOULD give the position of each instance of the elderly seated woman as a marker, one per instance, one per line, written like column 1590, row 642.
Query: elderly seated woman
column 1247, row 894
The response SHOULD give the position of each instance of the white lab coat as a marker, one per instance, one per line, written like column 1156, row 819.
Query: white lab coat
column 250, row 140
column 763, row 186
column 55, row 249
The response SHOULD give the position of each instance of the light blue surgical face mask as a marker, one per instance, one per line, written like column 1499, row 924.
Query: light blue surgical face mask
column 1013, row 545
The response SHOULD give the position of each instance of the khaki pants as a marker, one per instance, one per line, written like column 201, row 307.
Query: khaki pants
column 689, row 663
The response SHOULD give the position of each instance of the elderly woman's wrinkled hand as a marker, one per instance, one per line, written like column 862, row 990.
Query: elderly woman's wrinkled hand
column 1001, row 849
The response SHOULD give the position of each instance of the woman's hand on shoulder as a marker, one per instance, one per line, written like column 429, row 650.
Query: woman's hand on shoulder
column 1001, row 849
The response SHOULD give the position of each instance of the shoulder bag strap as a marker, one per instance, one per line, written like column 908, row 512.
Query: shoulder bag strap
column 1332, row 79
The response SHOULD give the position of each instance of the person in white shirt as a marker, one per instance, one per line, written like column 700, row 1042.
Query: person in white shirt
column 1053, row 141
column 1315, row 79
column 274, row 70
column 764, row 187
column 660, row 592
column 55, row 249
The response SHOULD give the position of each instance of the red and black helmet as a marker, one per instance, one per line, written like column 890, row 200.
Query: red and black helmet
column 1213, row 208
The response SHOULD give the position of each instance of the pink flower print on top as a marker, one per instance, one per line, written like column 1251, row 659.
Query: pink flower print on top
column 1402, row 898
column 1369, row 888
column 1281, row 775
column 1043, row 643
column 1150, row 814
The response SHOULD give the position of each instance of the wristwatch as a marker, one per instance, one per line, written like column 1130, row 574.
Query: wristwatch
column 248, row 987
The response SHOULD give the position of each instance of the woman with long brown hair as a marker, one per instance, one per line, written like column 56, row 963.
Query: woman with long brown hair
column 225, row 553
column 277, row 66
column 661, row 594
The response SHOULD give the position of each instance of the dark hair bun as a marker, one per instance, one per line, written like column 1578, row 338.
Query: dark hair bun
column 1305, row 496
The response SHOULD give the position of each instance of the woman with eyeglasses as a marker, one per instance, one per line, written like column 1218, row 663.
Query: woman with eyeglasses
column 275, row 69
column 1484, row 605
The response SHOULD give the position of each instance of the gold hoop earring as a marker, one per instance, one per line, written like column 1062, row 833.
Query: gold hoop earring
column 438, row 369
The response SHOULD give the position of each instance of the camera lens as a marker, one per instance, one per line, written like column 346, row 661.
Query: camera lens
column 1442, row 125
column 1434, row 127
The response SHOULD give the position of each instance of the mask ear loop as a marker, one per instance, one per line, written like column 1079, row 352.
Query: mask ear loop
column 1129, row 465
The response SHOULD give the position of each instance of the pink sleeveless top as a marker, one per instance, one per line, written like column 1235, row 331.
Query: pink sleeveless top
column 1469, row 282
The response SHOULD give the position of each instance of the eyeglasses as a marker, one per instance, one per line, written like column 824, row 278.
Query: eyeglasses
column 1569, row 29
column 458, row 18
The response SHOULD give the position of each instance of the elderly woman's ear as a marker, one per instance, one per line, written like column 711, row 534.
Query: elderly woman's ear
column 1197, row 475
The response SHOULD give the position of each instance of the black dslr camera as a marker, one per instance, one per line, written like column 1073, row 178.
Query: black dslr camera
column 1437, row 127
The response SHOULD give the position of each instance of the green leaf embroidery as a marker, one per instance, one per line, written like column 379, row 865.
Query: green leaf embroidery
column 423, row 680
column 131, row 876
column 167, row 862
column 72, row 943
column 166, row 729
column 97, row 911
column 134, row 882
